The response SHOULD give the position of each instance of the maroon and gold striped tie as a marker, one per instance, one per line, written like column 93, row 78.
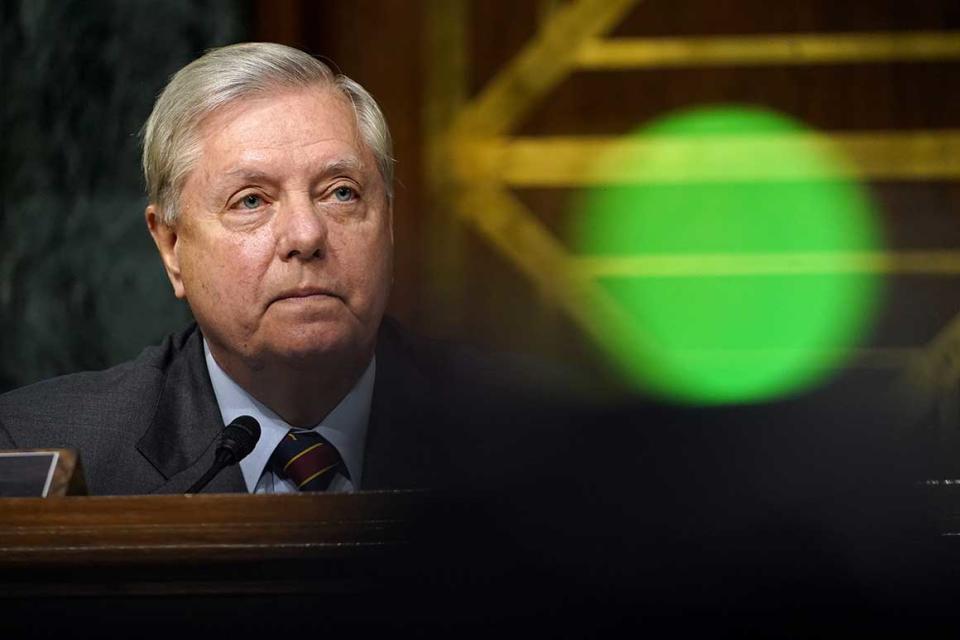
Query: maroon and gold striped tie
column 306, row 459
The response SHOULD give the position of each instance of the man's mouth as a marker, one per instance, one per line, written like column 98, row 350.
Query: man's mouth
column 306, row 292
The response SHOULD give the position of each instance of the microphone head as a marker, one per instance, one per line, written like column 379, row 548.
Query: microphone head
column 239, row 438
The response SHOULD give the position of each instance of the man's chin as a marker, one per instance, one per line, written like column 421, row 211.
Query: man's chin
column 310, row 350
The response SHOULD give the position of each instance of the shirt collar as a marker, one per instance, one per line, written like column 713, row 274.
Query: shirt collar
column 345, row 427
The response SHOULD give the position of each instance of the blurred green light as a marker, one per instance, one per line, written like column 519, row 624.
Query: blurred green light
column 736, row 226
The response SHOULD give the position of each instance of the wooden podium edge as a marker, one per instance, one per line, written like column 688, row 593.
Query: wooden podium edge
column 208, row 529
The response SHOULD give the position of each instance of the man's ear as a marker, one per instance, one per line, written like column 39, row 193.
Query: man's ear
column 390, row 218
column 166, row 238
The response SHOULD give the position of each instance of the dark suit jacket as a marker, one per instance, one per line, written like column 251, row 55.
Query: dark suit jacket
column 151, row 425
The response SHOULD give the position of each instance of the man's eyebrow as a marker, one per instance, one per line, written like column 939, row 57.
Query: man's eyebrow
column 248, row 174
column 340, row 165
column 323, row 169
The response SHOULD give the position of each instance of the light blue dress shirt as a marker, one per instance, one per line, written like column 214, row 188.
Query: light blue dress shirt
column 345, row 428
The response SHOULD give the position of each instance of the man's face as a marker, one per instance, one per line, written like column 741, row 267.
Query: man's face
column 284, row 244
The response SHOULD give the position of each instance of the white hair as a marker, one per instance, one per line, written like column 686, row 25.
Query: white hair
column 221, row 76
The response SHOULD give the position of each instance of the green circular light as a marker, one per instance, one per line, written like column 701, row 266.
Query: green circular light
column 733, row 241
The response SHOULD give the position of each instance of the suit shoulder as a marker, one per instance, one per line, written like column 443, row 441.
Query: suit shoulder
column 459, row 367
column 438, row 361
column 109, row 396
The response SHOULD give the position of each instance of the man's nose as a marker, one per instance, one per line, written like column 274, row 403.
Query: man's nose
column 301, row 230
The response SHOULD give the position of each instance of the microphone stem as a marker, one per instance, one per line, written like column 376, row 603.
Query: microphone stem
column 222, row 460
column 204, row 479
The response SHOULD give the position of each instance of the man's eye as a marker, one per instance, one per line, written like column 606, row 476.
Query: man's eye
column 344, row 194
column 251, row 201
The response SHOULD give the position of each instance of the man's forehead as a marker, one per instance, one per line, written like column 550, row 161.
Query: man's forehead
column 315, row 128
column 291, row 118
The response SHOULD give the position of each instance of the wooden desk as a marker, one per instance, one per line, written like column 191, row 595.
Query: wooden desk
column 206, row 543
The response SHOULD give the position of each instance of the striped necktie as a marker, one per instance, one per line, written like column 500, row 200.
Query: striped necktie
column 306, row 459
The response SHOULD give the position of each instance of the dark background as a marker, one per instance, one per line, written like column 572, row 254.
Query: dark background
column 80, row 283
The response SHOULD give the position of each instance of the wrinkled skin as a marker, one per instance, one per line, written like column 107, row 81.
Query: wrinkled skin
column 284, row 246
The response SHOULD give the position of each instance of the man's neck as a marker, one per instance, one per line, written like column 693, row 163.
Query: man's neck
column 301, row 396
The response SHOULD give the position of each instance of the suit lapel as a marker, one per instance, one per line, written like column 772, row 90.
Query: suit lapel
column 181, row 440
column 405, row 447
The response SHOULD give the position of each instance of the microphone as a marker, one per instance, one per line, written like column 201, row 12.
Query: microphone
column 236, row 442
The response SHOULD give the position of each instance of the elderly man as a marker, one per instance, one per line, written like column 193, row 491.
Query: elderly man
column 270, row 188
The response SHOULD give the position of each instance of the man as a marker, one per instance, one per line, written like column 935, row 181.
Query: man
column 270, row 202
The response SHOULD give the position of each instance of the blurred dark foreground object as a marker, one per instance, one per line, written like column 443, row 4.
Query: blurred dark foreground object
column 778, row 518
column 782, row 517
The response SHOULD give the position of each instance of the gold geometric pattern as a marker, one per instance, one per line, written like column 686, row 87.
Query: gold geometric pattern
column 485, row 161
column 781, row 49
